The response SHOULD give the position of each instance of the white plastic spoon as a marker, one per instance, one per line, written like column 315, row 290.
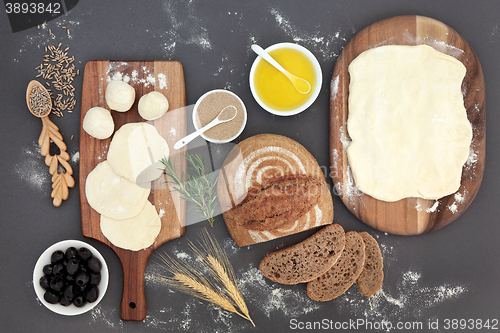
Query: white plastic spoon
column 300, row 84
column 184, row 141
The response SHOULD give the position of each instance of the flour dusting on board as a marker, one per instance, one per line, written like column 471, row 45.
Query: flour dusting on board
column 334, row 88
column 144, row 77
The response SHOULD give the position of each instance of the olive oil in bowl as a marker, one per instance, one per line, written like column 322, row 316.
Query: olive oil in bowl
column 274, row 91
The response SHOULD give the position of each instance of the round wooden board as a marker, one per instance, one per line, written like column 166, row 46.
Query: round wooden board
column 410, row 216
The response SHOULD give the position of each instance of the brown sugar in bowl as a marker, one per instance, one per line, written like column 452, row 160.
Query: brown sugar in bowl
column 209, row 105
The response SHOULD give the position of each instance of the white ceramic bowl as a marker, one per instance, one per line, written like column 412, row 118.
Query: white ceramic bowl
column 315, row 92
column 195, row 112
column 44, row 259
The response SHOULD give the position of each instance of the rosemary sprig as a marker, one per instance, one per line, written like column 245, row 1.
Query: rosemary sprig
column 197, row 187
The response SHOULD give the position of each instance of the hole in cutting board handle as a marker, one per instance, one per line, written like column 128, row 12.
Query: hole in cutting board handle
column 131, row 305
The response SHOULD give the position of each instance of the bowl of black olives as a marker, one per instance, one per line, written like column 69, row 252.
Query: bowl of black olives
column 70, row 277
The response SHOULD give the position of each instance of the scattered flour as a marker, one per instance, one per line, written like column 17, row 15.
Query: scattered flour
column 347, row 189
column 188, row 31
column 75, row 157
column 460, row 198
column 162, row 81
column 433, row 208
column 320, row 41
column 31, row 168
column 40, row 38
column 273, row 298
column 453, row 207
column 407, row 299
column 107, row 317
column 114, row 72
column 472, row 157
column 334, row 87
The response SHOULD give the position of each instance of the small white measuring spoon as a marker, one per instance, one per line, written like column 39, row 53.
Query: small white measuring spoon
column 302, row 86
column 184, row 141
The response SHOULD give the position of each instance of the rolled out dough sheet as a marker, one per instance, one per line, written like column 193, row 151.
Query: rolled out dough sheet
column 407, row 122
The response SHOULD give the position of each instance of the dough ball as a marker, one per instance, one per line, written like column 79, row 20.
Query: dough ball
column 134, row 148
column 112, row 195
column 136, row 233
column 153, row 105
column 98, row 123
column 120, row 96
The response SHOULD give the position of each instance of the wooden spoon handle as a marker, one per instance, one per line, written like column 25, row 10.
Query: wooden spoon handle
column 60, row 181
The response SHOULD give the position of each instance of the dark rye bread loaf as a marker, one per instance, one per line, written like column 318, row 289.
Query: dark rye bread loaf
column 372, row 275
column 343, row 273
column 306, row 260
column 270, row 186
column 277, row 203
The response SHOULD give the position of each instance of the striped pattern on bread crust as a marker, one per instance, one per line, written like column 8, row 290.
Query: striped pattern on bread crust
column 343, row 273
column 371, row 277
column 306, row 260
column 270, row 186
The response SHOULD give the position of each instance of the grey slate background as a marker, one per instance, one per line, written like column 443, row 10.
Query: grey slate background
column 452, row 273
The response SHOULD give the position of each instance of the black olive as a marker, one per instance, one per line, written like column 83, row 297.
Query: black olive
column 57, row 285
column 82, row 278
column 65, row 302
column 57, row 256
column 94, row 265
column 84, row 254
column 82, row 289
column 79, row 301
column 95, row 278
column 59, row 270
column 92, row 294
column 72, row 266
column 47, row 269
column 45, row 282
column 70, row 292
column 51, row 297
column 72, row 277
column 71, row 253
column 69, row 278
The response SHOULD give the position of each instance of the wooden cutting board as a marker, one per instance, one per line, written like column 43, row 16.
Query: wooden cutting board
column 411, row 216
column 166, row 77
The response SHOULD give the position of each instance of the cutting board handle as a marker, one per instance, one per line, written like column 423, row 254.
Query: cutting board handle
column 133, row 304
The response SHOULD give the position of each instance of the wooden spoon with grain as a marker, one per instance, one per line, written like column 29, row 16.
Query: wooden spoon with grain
column 39, row 103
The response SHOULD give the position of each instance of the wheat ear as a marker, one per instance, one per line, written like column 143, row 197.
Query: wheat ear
column 186, row 279
column 230, row 286
column 220, row 267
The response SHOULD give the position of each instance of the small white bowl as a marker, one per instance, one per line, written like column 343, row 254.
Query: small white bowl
column 315, row 92
column 195, row 112
column 44, row 259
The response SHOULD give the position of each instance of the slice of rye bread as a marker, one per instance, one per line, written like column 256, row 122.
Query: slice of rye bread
column 372, row 275
column 306, row 260
column 343, row 274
